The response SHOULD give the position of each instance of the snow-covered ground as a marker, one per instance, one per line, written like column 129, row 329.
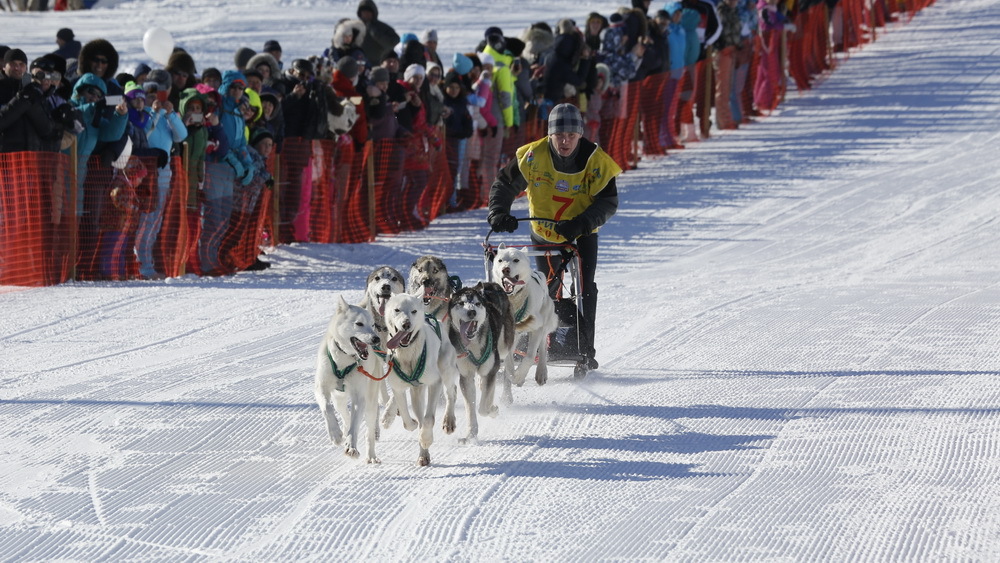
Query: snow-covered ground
column 798, row 334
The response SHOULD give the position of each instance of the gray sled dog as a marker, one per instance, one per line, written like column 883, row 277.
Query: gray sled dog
column 534, row 311
column 429, row 280
column 481, row 328
column 346, row 350
column 423, row 365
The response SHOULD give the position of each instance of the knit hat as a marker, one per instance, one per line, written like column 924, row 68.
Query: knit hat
column 413, row 70
column 140, row 69
column 159, row 77
column 66, row 34
column 15, row 55
column 429, row 35
column 259, row 135
column 407, row 37
column 565, row 118
column 272, row 45
column 243, row 56
column 133, row 91
column 494, row 30
column 211, row 72
column 348, row 66
column 380, row 74
column 671, row 7
column 461, row 63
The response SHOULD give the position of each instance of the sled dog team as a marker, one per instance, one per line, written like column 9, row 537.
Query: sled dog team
column 424, row 338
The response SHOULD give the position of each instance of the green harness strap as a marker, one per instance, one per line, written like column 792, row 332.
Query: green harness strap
column 519, row 316
column 341, row 374
column 487, row 350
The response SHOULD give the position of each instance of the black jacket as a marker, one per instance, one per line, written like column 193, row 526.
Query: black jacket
column 25, row 125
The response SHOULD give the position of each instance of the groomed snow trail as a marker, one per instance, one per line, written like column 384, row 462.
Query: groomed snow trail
column 798, row 337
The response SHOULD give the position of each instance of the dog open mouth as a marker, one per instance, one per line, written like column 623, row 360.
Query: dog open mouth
column 468, row 330
column 360, row 347
column 428, row 295
column 510, row 283
column 400, row 340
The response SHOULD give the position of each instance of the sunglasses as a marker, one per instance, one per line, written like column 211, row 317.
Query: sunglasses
column 100, row 60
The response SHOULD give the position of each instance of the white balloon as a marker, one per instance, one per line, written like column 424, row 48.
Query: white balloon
column 158, row 44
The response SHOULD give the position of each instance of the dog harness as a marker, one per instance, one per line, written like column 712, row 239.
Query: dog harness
column 487, row 350
column 341, row 374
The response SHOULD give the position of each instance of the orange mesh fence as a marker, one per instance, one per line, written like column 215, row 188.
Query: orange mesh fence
column 36, row 218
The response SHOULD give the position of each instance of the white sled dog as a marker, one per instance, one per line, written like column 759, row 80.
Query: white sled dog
column 383, row 282
column 481, row 328
column 429, row 280
column 534, row 311
column 346, row 349
column 422, row 363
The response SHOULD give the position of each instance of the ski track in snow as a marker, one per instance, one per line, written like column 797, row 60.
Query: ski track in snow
column 797, row 331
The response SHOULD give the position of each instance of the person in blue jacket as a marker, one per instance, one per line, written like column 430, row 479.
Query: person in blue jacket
column 222, row 171
column 98, row 125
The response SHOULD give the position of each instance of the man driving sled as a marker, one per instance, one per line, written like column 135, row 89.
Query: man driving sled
column 571, row 181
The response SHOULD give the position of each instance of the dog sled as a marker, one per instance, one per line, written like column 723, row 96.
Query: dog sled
column 567, row 344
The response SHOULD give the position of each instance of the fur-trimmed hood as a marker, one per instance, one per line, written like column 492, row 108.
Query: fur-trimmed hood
column 348, row 25
column 537, row 41
column 265, row 58
column 98, row 48
column 182, row 61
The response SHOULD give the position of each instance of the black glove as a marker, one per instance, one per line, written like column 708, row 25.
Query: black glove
column 493, row 131
column 65, row 115
column 502, row 222
column 570, row 229
column 31, row 92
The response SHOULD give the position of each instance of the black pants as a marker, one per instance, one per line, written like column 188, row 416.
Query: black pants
column 587, row 247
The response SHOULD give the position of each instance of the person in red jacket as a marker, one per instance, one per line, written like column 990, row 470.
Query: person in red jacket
column 345, row 84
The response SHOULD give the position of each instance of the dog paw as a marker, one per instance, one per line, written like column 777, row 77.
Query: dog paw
column 448, row 425
column 374, row 460
column 388, row 417
column 491, row 411
column 424, row 460
column 351, row 452
column 507, row 398
column 339, row 440
column 410, row 426
column 470, row 440
column 541, row 377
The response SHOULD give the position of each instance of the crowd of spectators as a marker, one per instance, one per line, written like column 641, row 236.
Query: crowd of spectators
column 372, row 83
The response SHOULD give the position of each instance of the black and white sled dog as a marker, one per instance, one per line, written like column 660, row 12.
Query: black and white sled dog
column 481, row 328
column 429, row 280
column 423, row 365
column 534, row 311
column 383, row 282
column 347, row 349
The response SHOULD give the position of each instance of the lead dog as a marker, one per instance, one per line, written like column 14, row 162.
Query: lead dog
column 383, row 282
column 534, row 311
column 346, row 349
column 422, row 366
column 429, row 280
column 481, row 328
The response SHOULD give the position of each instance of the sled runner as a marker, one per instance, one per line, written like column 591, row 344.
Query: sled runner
column 565, row 344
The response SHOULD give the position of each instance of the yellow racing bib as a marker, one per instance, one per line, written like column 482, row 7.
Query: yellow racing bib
column 557, row 196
